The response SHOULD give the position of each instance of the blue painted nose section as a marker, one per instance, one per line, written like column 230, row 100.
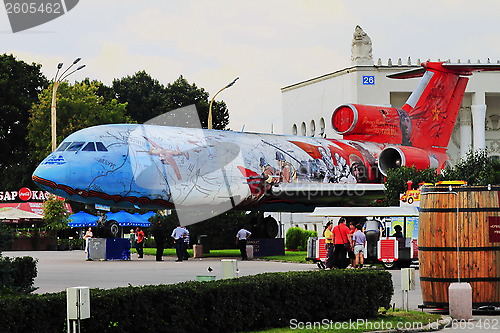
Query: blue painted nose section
column 52, row 173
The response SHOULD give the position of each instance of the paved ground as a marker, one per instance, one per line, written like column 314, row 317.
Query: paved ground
column 58, row 270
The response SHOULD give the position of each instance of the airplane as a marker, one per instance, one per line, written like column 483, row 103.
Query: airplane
column 206, row 172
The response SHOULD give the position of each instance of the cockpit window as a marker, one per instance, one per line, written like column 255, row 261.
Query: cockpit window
column 101, row 147
column 89, row 147
column 63, row 146
column 75, row 146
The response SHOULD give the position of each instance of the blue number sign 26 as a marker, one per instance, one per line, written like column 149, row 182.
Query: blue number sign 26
column 368, row 79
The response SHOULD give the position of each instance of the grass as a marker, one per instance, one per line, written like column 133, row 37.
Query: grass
column 213, row 253
column 391, row 320
column 290, row 256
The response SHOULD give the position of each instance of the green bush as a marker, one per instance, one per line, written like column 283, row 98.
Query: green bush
column 293, row 238
column 17, row 275
column 296, row 238
column 232, row 305
column 6, row 237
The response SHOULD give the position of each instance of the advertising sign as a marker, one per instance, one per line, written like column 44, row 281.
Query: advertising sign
column 494, row 229
column 24, row 194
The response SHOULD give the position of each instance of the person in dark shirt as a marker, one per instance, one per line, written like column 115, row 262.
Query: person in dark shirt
column 160, row 235
column 398, row 233
column 399, row 236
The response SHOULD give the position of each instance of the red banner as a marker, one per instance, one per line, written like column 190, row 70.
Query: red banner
column 494, row 229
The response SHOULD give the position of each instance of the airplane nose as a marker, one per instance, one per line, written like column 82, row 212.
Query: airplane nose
column 52, row 172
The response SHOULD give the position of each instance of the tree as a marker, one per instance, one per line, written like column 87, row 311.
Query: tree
column 181, row 93
column 20, row 84
column 55, row 214
column 78, row 107
column 476, row 168
column 396, row 182
column 147, row 98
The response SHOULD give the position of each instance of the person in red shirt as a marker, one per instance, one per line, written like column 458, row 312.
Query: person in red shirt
column 340, row 237
column 139, row 241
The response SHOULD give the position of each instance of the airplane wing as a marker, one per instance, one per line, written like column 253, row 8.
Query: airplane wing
column 329, row 194
column 170, row 160
column 462, row 69
column 327, row 187
column 409, row 74
column 154, row 144
column 364, row 211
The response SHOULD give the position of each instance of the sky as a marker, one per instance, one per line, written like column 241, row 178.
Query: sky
column 268, row 44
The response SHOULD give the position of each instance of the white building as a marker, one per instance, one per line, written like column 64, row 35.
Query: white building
column 307, row 106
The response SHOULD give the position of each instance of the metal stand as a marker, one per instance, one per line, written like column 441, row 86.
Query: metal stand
column 406, row 306
column 78, row 307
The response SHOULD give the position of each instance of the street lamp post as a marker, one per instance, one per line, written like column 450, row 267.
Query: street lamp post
column 57, row 81
column 212, row 101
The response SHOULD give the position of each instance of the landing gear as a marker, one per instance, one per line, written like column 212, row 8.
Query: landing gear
column 112, row 229
column 262, row 227
column 108, row 228
column 271, row 227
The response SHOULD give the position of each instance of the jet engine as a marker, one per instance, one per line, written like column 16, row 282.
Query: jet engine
column 371, row 123
column 398, row 156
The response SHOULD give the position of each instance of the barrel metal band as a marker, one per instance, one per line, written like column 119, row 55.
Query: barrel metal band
column 460, row 210
column 454, row 248
column 478, row 279
column 445, row 305
column 445, row 189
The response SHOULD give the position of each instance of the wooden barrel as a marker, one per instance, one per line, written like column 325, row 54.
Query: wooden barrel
column 476, row 212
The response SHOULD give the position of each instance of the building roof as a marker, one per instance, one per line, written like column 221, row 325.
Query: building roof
column 13, row 213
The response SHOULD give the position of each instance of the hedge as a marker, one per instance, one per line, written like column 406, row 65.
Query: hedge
column 296, row 238
column 17, row 275
column 247, row 303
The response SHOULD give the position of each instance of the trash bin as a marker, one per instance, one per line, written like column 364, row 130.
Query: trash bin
column 197, row 251
column 249, row 251
column 203, row 240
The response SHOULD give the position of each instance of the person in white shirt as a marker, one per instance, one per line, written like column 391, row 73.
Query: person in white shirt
column 241, row 241
column 87, row 237
column 359, row 240
column 178, row 234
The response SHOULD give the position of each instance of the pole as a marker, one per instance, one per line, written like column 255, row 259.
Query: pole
column 57, row 82
column 209, row 125
column 53, row 115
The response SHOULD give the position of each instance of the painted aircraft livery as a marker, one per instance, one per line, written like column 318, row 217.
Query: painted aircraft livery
column 158, row 167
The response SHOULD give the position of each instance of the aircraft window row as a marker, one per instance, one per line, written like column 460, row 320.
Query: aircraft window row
column 76, row 146
column 312, row 128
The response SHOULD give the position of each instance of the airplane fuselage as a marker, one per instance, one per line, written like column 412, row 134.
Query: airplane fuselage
column 158, row 167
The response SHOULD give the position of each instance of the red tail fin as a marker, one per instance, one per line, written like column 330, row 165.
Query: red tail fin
column 432, row 109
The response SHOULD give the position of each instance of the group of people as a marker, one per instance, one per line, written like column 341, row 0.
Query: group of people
column 180, row 235
column 344, row 242
column 345, row 245
column 137, row 239
column 181, row 238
